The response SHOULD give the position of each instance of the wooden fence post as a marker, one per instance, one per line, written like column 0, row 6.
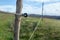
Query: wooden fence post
column 42, row 10
column 17, row 19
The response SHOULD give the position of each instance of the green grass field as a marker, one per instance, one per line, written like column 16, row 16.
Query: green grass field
column 48, row 29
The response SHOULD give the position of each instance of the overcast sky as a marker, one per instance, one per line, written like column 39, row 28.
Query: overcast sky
column 51, row 7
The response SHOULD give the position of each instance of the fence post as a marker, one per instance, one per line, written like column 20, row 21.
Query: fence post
column 17, row 19
column 42, row 10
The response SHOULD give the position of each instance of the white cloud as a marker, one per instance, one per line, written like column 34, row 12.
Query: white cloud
column 49, row 9
column 52, row 9
column 43, row 0
column 31, row 9
column 39, row 0
column 7, row 8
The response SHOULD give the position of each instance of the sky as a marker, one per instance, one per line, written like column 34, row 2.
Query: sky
column 51, row 7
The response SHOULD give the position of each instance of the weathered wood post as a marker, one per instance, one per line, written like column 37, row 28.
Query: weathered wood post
column 42, row 9
column 17, row 19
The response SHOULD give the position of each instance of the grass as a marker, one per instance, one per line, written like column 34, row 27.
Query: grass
column 48, row 29
column 5, row 21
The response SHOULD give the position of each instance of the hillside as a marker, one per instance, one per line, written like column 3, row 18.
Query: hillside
column 44, row 16
column 48, row 29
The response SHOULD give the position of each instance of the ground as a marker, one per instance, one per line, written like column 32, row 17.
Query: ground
column 48, row 29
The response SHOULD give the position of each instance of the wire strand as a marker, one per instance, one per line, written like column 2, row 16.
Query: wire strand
column 37, row 23
column 34, row 29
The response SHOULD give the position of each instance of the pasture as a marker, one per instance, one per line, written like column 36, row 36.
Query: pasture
column 48, row 29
